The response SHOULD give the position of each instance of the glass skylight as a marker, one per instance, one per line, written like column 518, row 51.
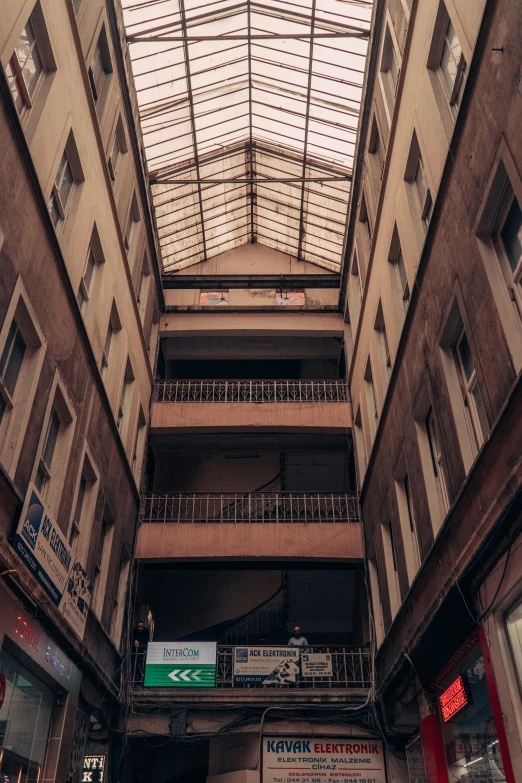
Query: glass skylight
column 249, row 113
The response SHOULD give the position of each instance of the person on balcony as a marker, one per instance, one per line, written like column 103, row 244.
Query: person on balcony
column 140, row 640
column 297, row 640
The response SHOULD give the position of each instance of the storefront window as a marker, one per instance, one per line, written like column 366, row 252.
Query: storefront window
column 469, row 733
column 25, row 718
column 514, row 627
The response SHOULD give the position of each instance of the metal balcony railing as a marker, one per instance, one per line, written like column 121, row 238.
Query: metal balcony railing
column 250, row 391
column 256, row 507
column 351, row 668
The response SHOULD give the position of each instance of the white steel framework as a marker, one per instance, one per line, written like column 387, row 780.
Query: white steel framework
column 249, row 113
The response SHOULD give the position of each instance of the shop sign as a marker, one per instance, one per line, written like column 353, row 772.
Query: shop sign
column 454, row 698
column 23, row 630
column 266, row 664
column 40, row 544
column 181, row 665
column 316, row 665
column 93, row 769
column 323, row 760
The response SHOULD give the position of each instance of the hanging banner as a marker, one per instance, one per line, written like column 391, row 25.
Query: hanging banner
column 181, row 665
column 43, row 549
column 266, row 665
column 316, row 665
column 322, row 760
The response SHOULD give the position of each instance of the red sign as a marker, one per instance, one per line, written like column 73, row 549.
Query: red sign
column 454, row 698
column 2, row 690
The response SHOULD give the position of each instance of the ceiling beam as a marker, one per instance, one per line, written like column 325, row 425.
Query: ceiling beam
column 226, row 282
column 250, row 180
column 140, row 37
column 307, row 125
column 192, row 121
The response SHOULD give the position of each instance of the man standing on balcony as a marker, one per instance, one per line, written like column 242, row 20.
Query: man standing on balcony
column 297, row 640
column 140, row 639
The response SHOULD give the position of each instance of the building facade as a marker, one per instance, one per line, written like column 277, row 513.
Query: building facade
column 432, row 306
column 79, row 304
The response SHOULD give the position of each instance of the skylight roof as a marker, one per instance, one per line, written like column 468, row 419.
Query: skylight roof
column 249, row 113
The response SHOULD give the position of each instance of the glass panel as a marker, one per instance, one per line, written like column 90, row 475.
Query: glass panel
column 64, row 181
column 32, row 70
column 512, row 235
column 250, row 111
column 52, row 437
column 7, row 347
column 56, row 215
column 481, row 411
column 89, row 269
column 514, row 627
column 450, row 58
column 470, row 737
column 15, row 363
column 25, row 719
column 14, row 86
column 465, row 356
column 24, row 47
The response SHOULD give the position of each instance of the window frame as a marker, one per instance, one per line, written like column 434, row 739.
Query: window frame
column 99, row 91
column 72, row 161
column 391, row 567
column 468, row 387
column 389, row 52
column 119, row 142
column 409, row 528
column 423, row 204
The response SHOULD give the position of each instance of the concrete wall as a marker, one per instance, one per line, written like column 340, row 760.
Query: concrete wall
column 169, row 417
column 178, row 542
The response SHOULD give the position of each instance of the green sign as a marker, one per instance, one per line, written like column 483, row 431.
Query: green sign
column 180, row 665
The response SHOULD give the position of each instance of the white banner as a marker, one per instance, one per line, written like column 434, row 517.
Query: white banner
column 266, row 664
column 323, row 760
column 42, row 547
column 316, row 664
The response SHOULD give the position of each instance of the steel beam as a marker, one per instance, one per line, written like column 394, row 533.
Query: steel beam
column 192, row 120
column 225, row 282
column 250, row 180
column 307, row 125
column 143, row 37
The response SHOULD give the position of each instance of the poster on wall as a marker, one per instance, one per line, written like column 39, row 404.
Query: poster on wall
column 181, row 665
column 43, row 549
column 323, row 760
column 290, row 298
column 316, row 665
column 213, row 298
column 266, row 665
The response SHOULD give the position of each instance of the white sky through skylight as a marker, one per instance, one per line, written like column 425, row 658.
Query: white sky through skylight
column 242, row 95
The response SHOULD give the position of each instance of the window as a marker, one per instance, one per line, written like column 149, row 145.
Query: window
column 118, row 604
column 139, row 446
column 25, row 69
column 119, row 148
column 10, row 366
column 102, row 559
column 373, row 415
column 364, row 218
column 360, row 447
column 415, row 175
column 44, row 473
column 143, row 286
column 376, row 601
column 382, row 338
column 390, row 562
column 125, row 399
column 113, row 326
column 408, row 527
column 390, row 70
column 83, row 511
column 100, row 72
column 30, row 63
column 376, row 149
column 507, row 237
column 132, row 223
column 446, row 59
column 21, row 357
column 54, row 448
column 471, row 394
column 354, row 292
column 399, row 278
column 87, row 281
column 68, row 175
column 434, row 442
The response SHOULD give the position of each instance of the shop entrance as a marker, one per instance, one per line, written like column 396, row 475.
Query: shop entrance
column 25, row 719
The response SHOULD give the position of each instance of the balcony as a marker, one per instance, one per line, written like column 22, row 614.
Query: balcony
column 271, row 525
column 263, row 406
column 351, row 670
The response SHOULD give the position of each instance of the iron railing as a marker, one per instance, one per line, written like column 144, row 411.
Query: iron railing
column 250, row 391
column 255, row 507
column 351, row 668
